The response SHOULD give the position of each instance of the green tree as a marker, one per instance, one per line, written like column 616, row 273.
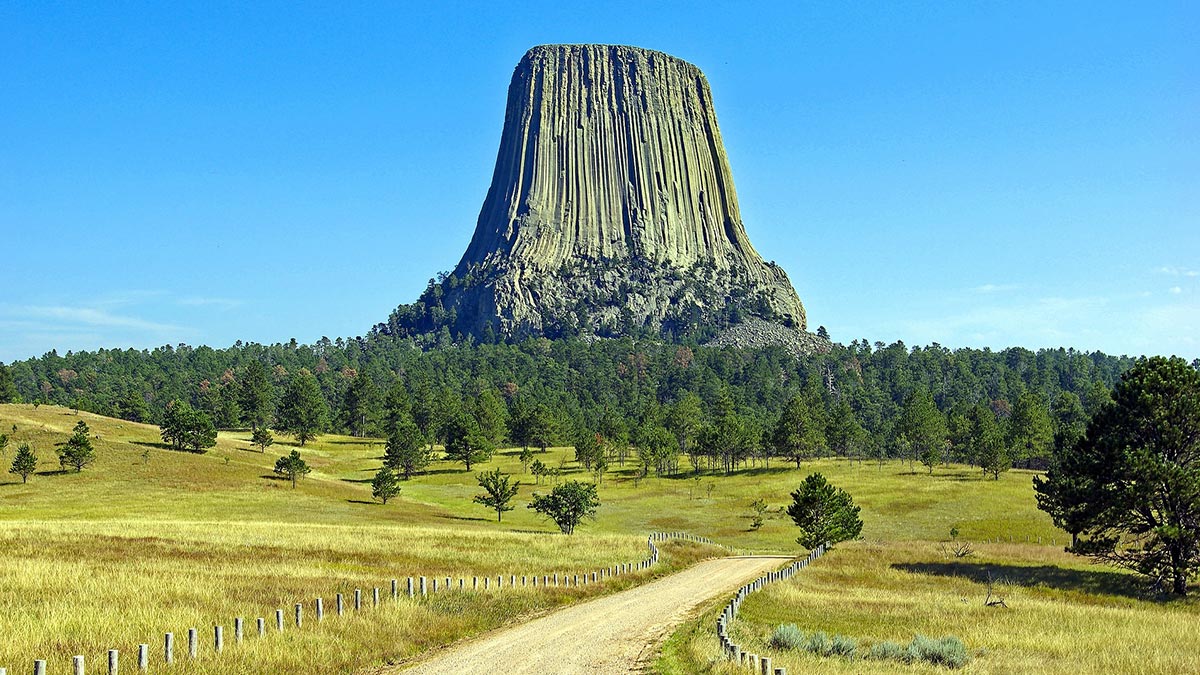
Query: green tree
column 492, row 416
column 1030, row 431
column 465, row 442
column 526, row 457
column 588, row 450
column 24, row 462
column 844, row 432
column 1070, row 421
column 921, row 429
column 8, row 389
column 1132, row 484
column 758, row 513
column 499, row 491
column 568, row 504
column 799, row 433
column 262, row 438
column 292, row 467
column 362, row 406
column 538, row 470
column 302, row 411
column 406, row 451
column 186, row 428
column 685, row 419
column 825, row 514
column 385, row 485
column 4, row 444
column 77, row 452
column 133, row 407
column 256, row 395
column 988, row 446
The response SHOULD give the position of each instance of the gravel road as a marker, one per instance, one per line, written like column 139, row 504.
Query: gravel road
column 614, row 634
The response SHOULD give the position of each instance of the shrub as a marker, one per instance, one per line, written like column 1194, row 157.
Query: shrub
column 818, row 643
column 787, row 636
column 948, row 651
column 843, row 646
column 888, row 651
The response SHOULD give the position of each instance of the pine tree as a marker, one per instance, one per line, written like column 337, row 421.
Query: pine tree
column 464, row 441
column 385, row 485
column 406, row 451
column 362, row 406
column 257, row 395
column 8, row 389
column 988, row 445
column 799, row 433
column 292, row 467
column 24, row 462
column 825, row 514
column 921, row 429
column 77, row 452
column 262, row 438
column 302, row 411
column 186, row 428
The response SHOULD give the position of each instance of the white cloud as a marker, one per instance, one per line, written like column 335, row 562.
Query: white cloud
column 1173, row 271
column 1175, row 290
column 90, row 316
column 996, row 288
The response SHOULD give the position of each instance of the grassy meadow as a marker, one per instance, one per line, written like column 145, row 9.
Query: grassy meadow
column 149, row 540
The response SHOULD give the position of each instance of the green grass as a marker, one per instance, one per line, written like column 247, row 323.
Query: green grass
column 131, row 548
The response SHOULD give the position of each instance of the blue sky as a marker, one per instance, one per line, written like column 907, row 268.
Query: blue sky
column 972, row 174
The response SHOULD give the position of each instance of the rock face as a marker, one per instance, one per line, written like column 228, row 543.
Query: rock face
column 612, row 207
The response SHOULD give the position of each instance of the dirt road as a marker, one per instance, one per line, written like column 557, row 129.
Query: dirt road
column 615, row 634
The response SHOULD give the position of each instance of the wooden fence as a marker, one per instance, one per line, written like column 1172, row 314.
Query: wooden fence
column 734, row 651
column 415, row 589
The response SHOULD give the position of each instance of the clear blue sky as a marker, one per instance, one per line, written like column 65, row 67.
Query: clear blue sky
column 967, row 173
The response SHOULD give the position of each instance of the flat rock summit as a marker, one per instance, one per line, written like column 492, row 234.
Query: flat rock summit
column 612, row 210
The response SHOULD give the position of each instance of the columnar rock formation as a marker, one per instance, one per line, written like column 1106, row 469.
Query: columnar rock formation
column 612, row 206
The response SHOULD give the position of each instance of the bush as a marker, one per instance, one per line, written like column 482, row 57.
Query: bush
column 888, row 651
column 948, row 651
column 843, row 646
column 787, row 636
column 818, row 643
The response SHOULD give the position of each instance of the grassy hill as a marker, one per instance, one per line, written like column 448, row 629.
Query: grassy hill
column 149, row 540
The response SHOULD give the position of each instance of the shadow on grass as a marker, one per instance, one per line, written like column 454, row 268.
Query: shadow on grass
column 472, row 518
column 1095, row 582
column 360, row 481
column 363, row 501
column 154, row 444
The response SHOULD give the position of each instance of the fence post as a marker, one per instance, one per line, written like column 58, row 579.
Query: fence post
column 193, row 643
column 435, row 586
column 341, row 604
column 410, row 587
column 358, row 599
column 143, row 657
column 114, row 662
column 279, row 620
column 218, row 638
column 395, row 589
column 262, row 626
column 424, row 588
column 299, row 614
column 77, row 662
column 39, row 667
column 375, row 596
column 766, row 665
column 238, row 632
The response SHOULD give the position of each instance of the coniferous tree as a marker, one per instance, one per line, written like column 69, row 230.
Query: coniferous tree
column 465, row 442
column 8, row 390
column 406, row 451
column 1030, row 431
column 492, row 416
column 256, row 395
column 262, row 438
column 385, row 485
column 186, row 428
column 292, row 467
column 1132, row 484
column 77, row 452
column 921, row 429
column 24, row 462
column 988, row 445
column 825, row 514
column 303, row 413
column 799, row 433
column 568, row 504
column 362, row 406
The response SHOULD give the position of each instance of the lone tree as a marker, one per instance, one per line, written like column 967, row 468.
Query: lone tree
column 799, row 433
column 406, row 451
column 824, row 513
column 987, row 443
column 1130, row 491
column 77, row 452
column 24, row 462
column 500, row 491
column 263, row 438
column 292, row 467
column 568, row 504
column 186, row 428
column 385, row 485
column 302, row 412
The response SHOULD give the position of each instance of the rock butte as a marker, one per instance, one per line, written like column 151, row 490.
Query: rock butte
column 611, row 192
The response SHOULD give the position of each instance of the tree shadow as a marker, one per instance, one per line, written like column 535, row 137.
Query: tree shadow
column 1094, row 582
column 360, row 481
column 471, row 518
column 154, row 444
column 271, row 476
column 362, row 501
